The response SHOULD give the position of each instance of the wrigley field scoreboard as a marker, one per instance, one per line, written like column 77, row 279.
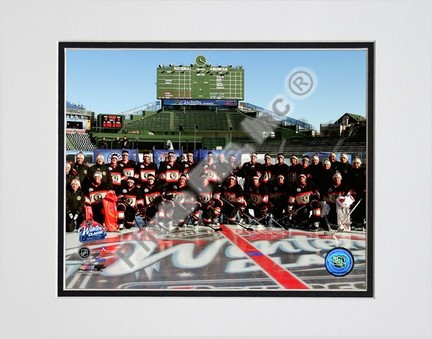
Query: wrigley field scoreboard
column 200, row 81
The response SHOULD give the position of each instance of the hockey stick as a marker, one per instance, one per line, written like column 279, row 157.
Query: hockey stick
column 290, row 215
column 277, row 223
column 248, row 215
column 340, row 227
column 239, row 224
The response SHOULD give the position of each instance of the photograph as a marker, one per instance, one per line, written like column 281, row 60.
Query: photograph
column 216, row 169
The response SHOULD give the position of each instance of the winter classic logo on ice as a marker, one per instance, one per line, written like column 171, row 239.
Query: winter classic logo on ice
column 91, row 232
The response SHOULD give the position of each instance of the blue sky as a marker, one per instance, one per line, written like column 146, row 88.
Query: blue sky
column 114, row 81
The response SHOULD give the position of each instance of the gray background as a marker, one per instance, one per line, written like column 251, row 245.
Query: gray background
column 30, row 31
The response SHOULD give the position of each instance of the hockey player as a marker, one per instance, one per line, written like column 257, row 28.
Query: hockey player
column 250, row 169
column 314, row 170
column 188, row 165
column 281, row 168
column 233, row 200
column 293, row 171
column 257, row 199
column 305, row 166
column 116, row 172
column 209, row 169
column 81, row 168
column 70, row 175
column 183, row 199
column 233, row 164
column 304, row 204
column 152, row 194
column 357, row 182
column 267, row 169
column 339, row 198
column 169, row 170
column 344, row 167
column 223, row 168
column 333, row 162
column 74, row 206
column 325, row 177
column 128, row 166
column 130, row 201
column 278, row 197
column 208, row 203
column 101, row 167
column 94, row 194
column 146, row 168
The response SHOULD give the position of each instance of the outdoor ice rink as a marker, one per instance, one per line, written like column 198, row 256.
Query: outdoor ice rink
column 271, row 259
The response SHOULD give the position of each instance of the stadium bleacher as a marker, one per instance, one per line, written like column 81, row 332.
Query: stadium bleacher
column 79, row 141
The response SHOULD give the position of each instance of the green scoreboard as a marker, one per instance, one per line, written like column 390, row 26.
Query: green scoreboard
column 200, row 81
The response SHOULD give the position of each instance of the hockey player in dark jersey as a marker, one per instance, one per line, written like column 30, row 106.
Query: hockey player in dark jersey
column 169, row 170
column 257, row 199
column 250, row 169
column 304, row 204
column 344, row 167
column 129, row 166
column 305, row 166
column 278, row 197
column 130, row 201
column 223, row 168
column 81, row 169
column 233, row 200
column 333, row 162
column 74, row 206
column 325, row 178
column 357, row 182
column 209, row 169
column 314, row 170
column 70, row 175
column 208, row 203
column 101, row 167
column 336, row 195
column 293, row 171
column 183, row 199
column 94, row 194
column 116, row 172
column 188, row 165
column 145, row 168
column 281, row 168
column 233, row 164
column 152, row 194
column 267, row 170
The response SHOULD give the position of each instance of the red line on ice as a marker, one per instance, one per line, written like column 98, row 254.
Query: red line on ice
column 277, row 272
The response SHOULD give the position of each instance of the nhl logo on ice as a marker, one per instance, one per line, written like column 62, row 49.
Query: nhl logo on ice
column 339, row 262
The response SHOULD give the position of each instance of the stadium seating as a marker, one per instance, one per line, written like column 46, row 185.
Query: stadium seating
column 79, row 141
